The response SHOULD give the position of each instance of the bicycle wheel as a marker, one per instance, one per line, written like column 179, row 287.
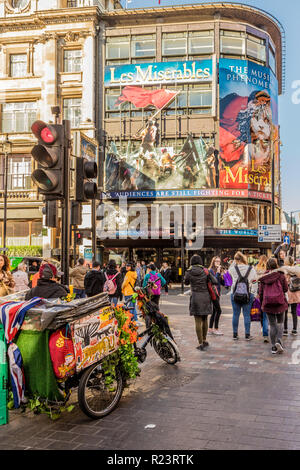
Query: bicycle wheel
column 96, row 399
column 166, row 351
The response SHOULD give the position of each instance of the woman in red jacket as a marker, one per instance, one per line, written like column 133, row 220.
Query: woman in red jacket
column 272, row 289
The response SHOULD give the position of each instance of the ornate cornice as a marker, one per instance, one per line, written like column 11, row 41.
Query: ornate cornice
column 41, row 19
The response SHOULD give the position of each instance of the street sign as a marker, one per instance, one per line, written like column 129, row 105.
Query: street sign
column 269, row 233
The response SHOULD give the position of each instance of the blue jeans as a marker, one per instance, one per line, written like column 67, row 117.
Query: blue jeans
column 80, row 293
column 265, row 324
column 114, row 301
column 131, row 305
column 246, row 312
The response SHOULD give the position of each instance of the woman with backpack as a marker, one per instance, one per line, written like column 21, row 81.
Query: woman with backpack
column 272, row 289
column 292, row 273
column 243, row 292
column 261, row 269
column 128, row 288
column 200, row 301
column 154, row 276
column 113, row 282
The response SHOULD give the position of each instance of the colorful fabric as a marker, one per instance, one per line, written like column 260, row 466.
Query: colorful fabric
column 12, row 315
column 39, row 375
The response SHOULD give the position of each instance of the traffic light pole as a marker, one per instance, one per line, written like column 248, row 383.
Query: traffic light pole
column 65, row 238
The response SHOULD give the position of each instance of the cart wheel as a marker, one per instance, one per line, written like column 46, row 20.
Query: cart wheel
column 96, row 399
column 166, row 351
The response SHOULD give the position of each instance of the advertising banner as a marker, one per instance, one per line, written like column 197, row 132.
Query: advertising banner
column 195, row 71
column 146, row 168
column 248, row 125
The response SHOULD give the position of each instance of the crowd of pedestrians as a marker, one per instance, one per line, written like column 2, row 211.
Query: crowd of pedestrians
column 270, row 287
column 263, row 292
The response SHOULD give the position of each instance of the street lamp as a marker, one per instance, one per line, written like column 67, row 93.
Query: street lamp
column 6, row 149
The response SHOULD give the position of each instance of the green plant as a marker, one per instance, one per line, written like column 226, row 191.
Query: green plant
column 124, row 356
column 13, row 251
column 38, row 405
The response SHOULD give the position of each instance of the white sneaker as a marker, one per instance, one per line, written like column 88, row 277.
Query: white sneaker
column 210, row 332
column 218, row 333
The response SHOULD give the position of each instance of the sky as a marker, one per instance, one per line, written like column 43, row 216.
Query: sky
column 288, row 13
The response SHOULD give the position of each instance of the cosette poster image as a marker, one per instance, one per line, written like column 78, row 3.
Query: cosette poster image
column 248, row 125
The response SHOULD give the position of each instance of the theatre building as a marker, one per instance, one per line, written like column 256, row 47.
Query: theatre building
column 190, row 112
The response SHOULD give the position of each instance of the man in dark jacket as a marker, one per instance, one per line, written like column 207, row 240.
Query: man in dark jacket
column 94, row 280
column 200, row 301
column 47, row 285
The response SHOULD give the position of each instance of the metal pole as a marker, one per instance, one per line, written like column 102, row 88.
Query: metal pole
column 65, row 239
column 5, row 200
column 182, row 258
column 94, row 236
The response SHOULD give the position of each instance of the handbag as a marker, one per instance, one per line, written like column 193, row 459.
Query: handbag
column 298, row 310
column 4, row 290
column 294, row 284
column 227, row 279
column 255, row 312
column 212, row 289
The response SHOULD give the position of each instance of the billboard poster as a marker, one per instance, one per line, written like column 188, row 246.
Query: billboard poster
column 160, row 73
column 248, row 125
column 88, row 147
column 148, row 167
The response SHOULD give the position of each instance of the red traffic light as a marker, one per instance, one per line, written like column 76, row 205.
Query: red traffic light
column 44, row 132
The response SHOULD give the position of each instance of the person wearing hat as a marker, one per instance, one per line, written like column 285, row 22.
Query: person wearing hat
column 47, row 285
column 200, row 300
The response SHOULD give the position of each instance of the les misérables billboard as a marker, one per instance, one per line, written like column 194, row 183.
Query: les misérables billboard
column 147, row 168
column 248, row 120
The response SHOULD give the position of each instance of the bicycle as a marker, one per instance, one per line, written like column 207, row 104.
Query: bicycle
column 157, row 332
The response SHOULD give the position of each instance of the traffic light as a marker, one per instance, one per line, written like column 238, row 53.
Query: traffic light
column 86, row 171
column 50, row 211
column 49, row 153
column 79, row 238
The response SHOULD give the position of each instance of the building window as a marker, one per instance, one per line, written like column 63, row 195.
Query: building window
column 256, row 48
column 19, row 173
column 72, row 60
column 18, row 65
column 143, row 46
column 72, row 111
column 272, row 61
column 192, row 99
column 200, row 42
column 238, row 44
column 117, row 48
column 174, row 44
column 18, row 117
column 232, row 42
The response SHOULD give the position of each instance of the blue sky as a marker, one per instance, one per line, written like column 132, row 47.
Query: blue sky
column 288, row 13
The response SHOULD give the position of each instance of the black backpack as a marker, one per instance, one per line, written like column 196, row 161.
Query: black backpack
column 294, row 284
column 241, row 292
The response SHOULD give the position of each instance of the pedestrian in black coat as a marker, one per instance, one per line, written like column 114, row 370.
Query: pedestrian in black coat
column 47, row 286
column 94, row 280
column 200, row 300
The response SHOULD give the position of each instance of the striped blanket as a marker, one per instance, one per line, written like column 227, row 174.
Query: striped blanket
column 12, row 315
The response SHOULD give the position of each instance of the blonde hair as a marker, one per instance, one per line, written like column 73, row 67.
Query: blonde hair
column 289, row 261
column 239, row 257
column 262, row 263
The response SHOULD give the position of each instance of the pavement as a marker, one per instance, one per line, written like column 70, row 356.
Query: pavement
column 235, row 395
